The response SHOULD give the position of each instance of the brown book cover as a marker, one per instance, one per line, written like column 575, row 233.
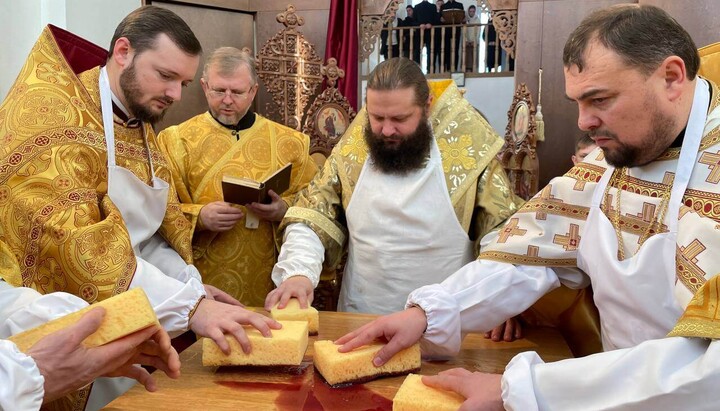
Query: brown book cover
column 239, row 190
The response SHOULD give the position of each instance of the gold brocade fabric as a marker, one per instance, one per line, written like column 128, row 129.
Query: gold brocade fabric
column 548, row 229
column 55, row 215
column 201, row 151
column 701, row 317
column 477, row 185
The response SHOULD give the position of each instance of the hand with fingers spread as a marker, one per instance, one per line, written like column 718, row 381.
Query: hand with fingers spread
column 67, row 365
column 482, row 391
column 219, row 216
column 216, row 294
column 214, row 319
column 510, row 330
column 275, row 211
column 298, row 286
column 400, row 330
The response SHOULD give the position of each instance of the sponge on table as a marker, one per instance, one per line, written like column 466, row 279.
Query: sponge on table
column 125, row 313
column 286, row 347
column 356, row 366
column 413, row 395
column 293, row 312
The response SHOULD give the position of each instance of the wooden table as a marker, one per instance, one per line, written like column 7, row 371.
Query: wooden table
column 299, row 388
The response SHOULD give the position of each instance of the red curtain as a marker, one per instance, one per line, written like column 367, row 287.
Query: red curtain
column 342, row 44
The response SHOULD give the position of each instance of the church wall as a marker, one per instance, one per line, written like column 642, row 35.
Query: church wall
column 543, row 28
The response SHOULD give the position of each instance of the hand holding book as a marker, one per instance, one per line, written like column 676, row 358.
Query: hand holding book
column 274, row 211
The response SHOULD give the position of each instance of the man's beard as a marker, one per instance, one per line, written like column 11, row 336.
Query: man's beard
column 650, row 148
column 228, row 120
column 130, row 87
column 410, row 154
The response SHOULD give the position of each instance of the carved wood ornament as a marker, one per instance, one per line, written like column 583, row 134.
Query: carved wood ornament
column 504, row 19
column 518, row 155
column 373, row 15
column 330, row 114
column 290, row 69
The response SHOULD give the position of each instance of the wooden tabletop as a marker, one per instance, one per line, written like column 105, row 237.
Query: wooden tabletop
column 299, row 388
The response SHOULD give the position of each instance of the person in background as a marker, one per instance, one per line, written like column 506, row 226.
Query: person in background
column 472, row 33
column 450, row 63
column 583, row 146
column 427, row 16
column 231, row 139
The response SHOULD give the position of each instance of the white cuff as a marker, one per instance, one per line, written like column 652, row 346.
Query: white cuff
column 518, row 391
column 171, row 299
column 442, row 337
column 302, row 253
column 22, row 385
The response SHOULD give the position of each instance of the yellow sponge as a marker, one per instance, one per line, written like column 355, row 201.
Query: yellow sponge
column 125, row 313
column 356, row 366
column 413, row 395
column 286, row 347
column 293, row 312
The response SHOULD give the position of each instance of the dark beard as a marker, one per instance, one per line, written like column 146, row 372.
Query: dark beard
column 410, row 154
column 654, row 144
column 130, row 87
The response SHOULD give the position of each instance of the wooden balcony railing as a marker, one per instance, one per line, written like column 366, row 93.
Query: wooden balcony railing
column 470, row 48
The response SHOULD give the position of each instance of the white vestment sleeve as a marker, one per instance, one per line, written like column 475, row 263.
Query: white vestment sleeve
column 159, row 253
column 477, row 298
column 172, row 299
column 673, row 373
column 23, row 308
column 21, row 384
column 302, row 253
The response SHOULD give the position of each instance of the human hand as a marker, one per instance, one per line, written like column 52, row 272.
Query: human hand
column 217, row 294
column 66, row 364
column 508, row 331
column 214, row 319
column 275, row 211
column 297, row 286
column 219, row 216
column 400, row 330
column 482, row 391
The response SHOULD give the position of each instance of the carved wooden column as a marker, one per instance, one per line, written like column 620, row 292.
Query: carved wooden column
column 373, row 15
column 504, row 18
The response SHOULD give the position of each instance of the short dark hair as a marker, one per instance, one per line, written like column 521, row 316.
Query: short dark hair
column 583, row 141
column 642, row 35
column 408, row 7
column 399, row 73
column 472, row 6
column 143, row 26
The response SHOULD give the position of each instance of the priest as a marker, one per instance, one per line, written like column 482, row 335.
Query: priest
column 408, row 191
column 234, row 247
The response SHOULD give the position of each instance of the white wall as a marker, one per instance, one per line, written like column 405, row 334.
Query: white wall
column 492, row 96
column 23, row 20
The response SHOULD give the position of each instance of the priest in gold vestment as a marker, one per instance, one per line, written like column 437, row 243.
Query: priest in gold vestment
column 638, row 220
column 85, row 208
column 230, row 139
column 407, row 191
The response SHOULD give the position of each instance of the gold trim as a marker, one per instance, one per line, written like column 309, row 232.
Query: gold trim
column 319, row 219
column 527, row 260
column 536, row 205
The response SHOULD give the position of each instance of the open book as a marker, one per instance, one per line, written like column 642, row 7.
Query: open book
column 243, row 191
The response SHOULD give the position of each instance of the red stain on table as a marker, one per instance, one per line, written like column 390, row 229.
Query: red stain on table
column 311, row 393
